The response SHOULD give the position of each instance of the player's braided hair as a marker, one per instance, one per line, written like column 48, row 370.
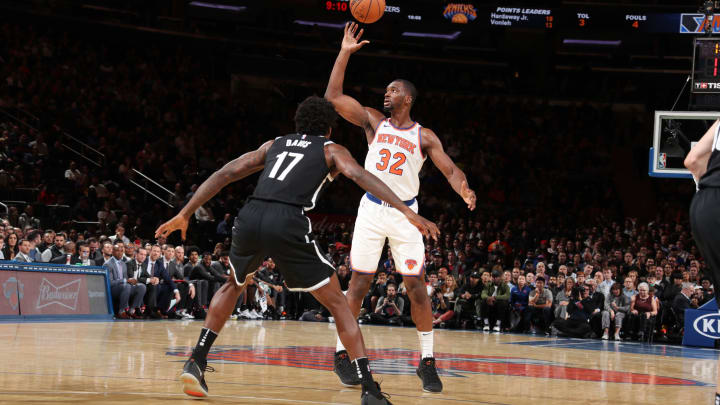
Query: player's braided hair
column 315, row 116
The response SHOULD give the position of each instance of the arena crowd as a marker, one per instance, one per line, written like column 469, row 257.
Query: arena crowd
column 548, row 249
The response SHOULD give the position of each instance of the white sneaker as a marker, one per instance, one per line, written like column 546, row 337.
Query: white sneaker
column 604, row 336
column 617, row 337
column 255, row 315
column 486, row 328
column 233, row 317
column 496, row 328
column 245, row 314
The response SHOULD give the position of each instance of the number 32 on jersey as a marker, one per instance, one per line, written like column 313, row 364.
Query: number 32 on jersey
column 398, row 160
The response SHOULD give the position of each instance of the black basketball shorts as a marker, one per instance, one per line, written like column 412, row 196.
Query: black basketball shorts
column 281, row 231
column 705, row 223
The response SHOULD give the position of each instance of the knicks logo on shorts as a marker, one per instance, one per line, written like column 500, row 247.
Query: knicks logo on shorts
column 410, row 264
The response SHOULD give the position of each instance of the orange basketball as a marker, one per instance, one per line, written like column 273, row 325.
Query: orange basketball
column 367, row 11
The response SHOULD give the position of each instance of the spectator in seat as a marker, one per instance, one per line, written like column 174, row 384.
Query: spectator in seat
column 494, row 305
column 11, row 246
column 202, row 287
column 672, row 290
column 47, row 241
column 129, row 252
column 95, row 251
column 123, row 288
column 270, row 276
column 467, row 306
column 186, row 289
column 629, row 288
column 66, row 258
column 540, row 306
column 683, row 301
column 203, row 271
column 120, row 235
column 343, row 277
column 643, row 309
column 82, row 258
column 107, row 249
column 377, row 290
column 35, row 238
column 224, row 228
column 518, row 303
column 23, row 251
column 562, row 299
column 56, row 249
column 166, row 288
column 389, row 308
column 607, row 282
column 598, row 303
column 616, row 308
column 443, row 312
column 706, row 291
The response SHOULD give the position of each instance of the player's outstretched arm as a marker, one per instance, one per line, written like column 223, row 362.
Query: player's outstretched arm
column 235, row 170
column 346, row 106
column 347, row 165
column 697, row 160
column 433, row 147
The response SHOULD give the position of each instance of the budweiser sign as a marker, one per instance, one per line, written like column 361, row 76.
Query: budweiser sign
column 65, row 295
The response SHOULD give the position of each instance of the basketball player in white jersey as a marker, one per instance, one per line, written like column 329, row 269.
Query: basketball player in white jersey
column 397, row 149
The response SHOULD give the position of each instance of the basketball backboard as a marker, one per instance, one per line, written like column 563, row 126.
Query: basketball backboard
column 674, row 134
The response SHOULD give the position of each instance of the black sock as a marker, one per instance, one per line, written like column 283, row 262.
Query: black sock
column 363, row 367
column 207, row 337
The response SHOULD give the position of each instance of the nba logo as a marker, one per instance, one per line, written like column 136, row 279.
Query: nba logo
column 662, row 160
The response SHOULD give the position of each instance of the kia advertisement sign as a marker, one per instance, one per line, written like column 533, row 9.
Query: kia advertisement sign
column 43, row 290
column 708, row 325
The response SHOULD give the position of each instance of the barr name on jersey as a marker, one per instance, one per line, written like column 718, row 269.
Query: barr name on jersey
column 397, row 140
column 297, row 142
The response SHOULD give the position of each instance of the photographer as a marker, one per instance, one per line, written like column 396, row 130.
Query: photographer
column 389, row 308
column 443, row 299
column 579, row 309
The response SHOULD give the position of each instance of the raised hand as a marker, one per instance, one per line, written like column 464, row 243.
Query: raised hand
column 351, row 40
column 468, row 195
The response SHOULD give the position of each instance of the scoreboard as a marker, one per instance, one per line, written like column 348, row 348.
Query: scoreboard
column 567, row 18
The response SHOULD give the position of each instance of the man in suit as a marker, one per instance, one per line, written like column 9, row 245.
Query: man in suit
column 598, row 303
column 122, row 287
column 201, row 285
column 24, row 250
column 166, row 287
column 683, row 301
column 187, row 290
column 107, row 253
column 140, row 268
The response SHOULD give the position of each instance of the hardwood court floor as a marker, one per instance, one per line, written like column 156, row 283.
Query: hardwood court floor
column 288, row 362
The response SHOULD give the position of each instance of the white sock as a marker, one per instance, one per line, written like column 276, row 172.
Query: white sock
column 339, row 346
column 426, row 344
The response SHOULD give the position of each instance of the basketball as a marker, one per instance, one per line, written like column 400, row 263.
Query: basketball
column 367, row 11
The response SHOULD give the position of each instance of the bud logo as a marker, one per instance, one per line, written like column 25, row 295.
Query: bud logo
column 708, row 325
column 460, row 13
column 13, row 291
column 65, row 295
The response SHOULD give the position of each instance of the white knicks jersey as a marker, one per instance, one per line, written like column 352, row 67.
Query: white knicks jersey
column 395, row 157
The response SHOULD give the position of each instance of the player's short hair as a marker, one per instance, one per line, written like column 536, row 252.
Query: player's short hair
column 410, row 88
column 315, row 116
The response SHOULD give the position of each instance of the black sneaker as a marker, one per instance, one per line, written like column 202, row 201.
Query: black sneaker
column 428, row 374
column 373, row 396
column 345, row 369
column 193, row 378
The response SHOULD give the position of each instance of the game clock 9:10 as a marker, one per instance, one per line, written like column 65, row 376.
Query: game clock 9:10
column 336, row 6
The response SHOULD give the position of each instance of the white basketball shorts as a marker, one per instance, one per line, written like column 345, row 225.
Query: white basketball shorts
column 374, row 223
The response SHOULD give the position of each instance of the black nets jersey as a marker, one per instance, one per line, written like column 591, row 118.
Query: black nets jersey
column 711, row 178
column 295, row 171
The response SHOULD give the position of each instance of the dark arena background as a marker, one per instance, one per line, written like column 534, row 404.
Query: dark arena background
column 572, row 121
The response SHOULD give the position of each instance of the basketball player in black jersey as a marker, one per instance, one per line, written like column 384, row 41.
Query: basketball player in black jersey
column 273, row 223
column 703, row 161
